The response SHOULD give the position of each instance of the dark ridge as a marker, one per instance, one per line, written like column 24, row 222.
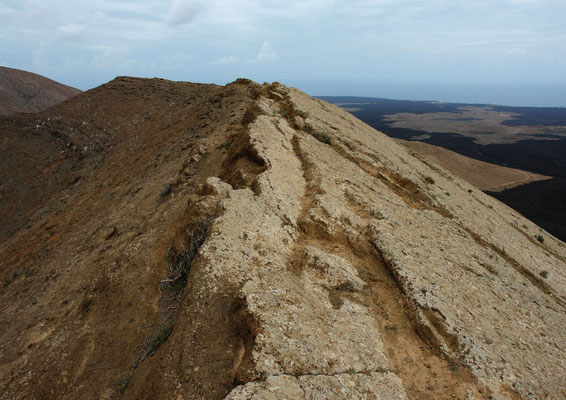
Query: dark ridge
column 540, row 202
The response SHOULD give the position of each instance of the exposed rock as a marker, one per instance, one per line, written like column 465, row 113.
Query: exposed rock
column 314, row 269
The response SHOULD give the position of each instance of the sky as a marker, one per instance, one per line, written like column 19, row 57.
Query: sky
column 483, row 51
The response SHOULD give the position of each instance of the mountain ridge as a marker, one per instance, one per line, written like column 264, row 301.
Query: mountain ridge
column 246, row 241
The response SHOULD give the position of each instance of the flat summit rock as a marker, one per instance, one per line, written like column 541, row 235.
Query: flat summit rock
column 265, row 245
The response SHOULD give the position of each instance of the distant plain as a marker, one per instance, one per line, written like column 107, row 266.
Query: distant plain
column 531, row 139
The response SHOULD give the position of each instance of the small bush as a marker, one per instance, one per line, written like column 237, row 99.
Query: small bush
column 225, row 146
column 540, row 238
column 544, row 274
column 11, row 277
column 181, row 263
column 429, row 179
column 158, row 340
column 243, row 81
column 166, row 191
column 348, row 286
column 124, row 382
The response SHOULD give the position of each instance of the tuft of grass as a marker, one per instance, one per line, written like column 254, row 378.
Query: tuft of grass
column 124, row 382
column 540, row 238
column 391, row 327
column 429, row 179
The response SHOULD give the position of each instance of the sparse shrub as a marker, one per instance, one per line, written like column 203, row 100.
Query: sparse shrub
column 11, row 277
column 302, row 114
column 322, row 137
column 225, row 146
column 540, row 238
column 453, row 367
column 429, row 179
column 181, row 263
column 159, row 339
column 391, row 327
column 243, row 81
column 166, row 191
column 124, row 382
column 544, row 274
column 348, row 286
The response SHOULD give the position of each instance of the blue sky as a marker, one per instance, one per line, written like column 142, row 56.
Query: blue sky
column 497, row 51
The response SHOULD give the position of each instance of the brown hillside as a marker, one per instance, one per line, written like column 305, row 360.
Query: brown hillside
column 25, row 92
column 169, row 240
column 484, row 176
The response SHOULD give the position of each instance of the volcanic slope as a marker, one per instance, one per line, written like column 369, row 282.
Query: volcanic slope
column 25, row 92
column 484, row 176
column 170, row 240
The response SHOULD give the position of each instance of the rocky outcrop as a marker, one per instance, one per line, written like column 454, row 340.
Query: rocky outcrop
column 334, row 264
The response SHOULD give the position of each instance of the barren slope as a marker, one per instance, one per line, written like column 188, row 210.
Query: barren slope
column 484, row 176
column 22, row 91
column 246, row 241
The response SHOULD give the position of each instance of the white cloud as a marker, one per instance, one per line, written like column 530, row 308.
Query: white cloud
column 228, row 60
column 6, row 11
column 266, row 54
column 175, row 61
column 183, row 11
column 70, row 32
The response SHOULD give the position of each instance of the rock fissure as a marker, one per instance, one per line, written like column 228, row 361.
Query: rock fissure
column 534, row 280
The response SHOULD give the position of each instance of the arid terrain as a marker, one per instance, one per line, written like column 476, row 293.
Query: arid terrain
column 484, row 176
column 25, row 92
column 483, row 124
column 172, row 240
column 529, row 140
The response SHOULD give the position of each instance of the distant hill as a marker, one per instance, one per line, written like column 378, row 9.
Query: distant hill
column 22, row 91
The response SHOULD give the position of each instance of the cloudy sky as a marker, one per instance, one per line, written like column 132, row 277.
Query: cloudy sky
column 498, row 51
